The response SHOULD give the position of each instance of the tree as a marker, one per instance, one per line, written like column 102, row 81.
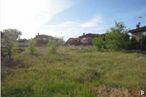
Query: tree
column 9, row 38
column 117, row 37
column 99, row 42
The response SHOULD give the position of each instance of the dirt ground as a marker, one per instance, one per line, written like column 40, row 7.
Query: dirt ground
column 103, row 91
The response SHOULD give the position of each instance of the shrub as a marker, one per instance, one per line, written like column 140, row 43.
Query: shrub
column 116, row 38
column 8, row 41
column 99, row 42
column 52, row 46
column 31, row 47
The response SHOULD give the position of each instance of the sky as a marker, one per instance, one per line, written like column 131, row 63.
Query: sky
column 69, row 18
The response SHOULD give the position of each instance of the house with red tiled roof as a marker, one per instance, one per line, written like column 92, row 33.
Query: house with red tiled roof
column 85, row 39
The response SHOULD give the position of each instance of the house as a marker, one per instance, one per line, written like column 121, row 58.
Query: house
column 73, row 41
column 138, row 32
column 22, row 43
column 41, row 40
column 85, row 39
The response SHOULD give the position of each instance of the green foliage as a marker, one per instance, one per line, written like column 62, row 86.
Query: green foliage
column 117, row 40
column 117, row 37
column 53, row 45
column 31, row 47
column 9, row 37
column 99, row 42
column 15, row 50
column 73, row 73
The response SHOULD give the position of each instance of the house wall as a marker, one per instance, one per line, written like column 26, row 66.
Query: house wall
column 137, row 35
column 73, row 41
column 86, row 40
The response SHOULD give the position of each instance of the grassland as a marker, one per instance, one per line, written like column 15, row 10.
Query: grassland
column 72, row 72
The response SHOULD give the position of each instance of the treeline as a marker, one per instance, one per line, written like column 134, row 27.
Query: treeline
column 10, row 43
column 117, row 38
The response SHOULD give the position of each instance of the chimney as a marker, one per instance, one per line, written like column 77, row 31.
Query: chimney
column 83, row 34
column 138, row 25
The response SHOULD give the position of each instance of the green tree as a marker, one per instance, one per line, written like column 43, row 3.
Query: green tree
column 99, row 42
column 117, row 37
column 9, row 38
column 31, row 47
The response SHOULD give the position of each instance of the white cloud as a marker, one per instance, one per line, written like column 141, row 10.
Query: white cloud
column 30, row 15
column 75, row 28
column 94, row 22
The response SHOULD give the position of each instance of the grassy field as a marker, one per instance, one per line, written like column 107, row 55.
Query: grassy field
column 72, row 72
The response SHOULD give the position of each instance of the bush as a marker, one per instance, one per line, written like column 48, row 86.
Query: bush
column 31, row 47
column 8, row 41
column 99, row 42
column 117, row 38
column 52, row 45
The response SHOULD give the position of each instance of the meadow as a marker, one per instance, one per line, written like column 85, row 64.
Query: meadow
column 73, row 72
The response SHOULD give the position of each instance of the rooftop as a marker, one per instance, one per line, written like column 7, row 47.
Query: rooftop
column 140, row 29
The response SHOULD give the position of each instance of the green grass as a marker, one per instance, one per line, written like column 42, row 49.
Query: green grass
column 72, row 72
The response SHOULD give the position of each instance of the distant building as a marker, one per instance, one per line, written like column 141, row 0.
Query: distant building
column 138, row 32
column 73, row 41
column 85, row 39
column 41, row 39
column 22, row 43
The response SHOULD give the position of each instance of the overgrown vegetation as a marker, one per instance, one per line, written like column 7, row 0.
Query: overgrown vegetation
column 53, row 45
column 117, row 37
column 8, row 42
column 31, row 47
column 99, row 42
column 73, row 72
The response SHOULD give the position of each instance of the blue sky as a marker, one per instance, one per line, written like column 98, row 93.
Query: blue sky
column 126, row 11
column 70, row 18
